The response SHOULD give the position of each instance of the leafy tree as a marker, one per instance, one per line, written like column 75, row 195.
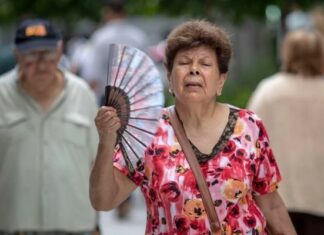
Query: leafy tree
column 72, row 10
column 68, row 11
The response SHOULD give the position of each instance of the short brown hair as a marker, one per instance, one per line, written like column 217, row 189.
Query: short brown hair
column 195, row 33
column 303, row 53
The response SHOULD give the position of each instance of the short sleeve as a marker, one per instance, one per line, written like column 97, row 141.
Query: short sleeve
column 267, row 174
column 132, row 168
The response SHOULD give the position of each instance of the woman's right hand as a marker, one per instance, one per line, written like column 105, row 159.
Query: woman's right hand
column 107, row 123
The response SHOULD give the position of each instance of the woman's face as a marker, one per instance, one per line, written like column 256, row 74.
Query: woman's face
column 195, row 75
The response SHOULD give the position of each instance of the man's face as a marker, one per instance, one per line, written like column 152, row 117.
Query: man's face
column 39, row 67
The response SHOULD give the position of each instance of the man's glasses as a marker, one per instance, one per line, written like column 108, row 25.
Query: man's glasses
column 49, row 55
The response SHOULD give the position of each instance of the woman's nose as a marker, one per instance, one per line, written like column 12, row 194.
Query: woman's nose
column 194, row 72
column 194, row 68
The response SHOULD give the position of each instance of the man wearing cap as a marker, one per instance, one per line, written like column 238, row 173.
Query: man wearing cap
column 47, row 139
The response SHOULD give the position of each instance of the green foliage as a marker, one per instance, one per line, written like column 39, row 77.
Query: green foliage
column 237, row 91
column 67, row 10
column 72, row 10
column 235, row 10
column 169, row 99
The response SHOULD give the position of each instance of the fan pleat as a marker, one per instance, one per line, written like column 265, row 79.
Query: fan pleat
column 113, row 98
column 131, row 148
column 143, row 98
column 128, row 161
column 137, row 139
column 140, row 77
column 140, row 118
column 145, row 108
column 140, row 89
column 127, row 69
column 144, row 119
column 118, row 69
column 141, row 129
column 111, row 57
column 133, row 75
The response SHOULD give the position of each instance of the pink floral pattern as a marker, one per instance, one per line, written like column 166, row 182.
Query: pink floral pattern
column 243, row 168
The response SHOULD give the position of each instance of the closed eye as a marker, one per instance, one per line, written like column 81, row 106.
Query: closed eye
column 183, row 62
column 206, row 63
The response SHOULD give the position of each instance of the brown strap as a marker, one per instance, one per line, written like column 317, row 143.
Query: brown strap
column 195, row 167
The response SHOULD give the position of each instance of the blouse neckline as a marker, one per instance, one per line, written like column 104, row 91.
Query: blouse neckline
column 221, row 143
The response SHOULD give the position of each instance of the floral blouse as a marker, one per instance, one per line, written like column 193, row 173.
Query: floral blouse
column 240, row 166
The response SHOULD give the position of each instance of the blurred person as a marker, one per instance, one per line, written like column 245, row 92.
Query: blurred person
column 79, row 48
column 47, row 139
column 231, row 145
column 317, row 15
column 291, row 106
column 81, row 57
column 297, row 18
column 157, row 52
column 116, row 29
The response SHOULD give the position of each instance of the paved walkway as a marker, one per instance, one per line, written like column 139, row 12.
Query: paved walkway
column 134, row 224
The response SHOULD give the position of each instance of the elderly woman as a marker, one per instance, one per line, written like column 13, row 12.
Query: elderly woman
column 230, row 144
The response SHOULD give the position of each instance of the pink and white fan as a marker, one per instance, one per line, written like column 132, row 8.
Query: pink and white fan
column 135, row 89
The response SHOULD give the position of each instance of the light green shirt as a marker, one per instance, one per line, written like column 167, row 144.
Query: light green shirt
column 45, row 158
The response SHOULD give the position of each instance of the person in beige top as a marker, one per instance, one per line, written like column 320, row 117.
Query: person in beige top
column 291, row 106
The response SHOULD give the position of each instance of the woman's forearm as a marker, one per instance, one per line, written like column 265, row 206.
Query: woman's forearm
column 279, row 221
column 276, row 214
column 103, row 186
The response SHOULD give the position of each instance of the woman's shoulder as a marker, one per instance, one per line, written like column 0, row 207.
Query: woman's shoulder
column 248, row 119
column 244, row 113
column 164, row 122
column 164, row 125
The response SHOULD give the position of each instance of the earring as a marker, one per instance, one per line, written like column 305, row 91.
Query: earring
column 171, row 92
column 219, row 92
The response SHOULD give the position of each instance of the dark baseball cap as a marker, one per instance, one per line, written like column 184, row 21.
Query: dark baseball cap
column 36, row 34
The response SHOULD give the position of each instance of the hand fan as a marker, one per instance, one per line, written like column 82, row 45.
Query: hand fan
column 134, row 88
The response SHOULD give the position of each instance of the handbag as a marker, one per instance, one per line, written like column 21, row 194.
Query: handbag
column 215, row 225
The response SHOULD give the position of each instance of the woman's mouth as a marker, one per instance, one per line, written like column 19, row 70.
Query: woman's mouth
column 193, row 84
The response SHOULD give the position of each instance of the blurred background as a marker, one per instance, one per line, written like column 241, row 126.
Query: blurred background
column 256, row 29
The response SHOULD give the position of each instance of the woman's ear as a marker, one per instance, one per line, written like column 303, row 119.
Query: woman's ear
column 170, row 84
column 169, row 76
column 167, row 69
column 221, row 83
column 222, row 79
